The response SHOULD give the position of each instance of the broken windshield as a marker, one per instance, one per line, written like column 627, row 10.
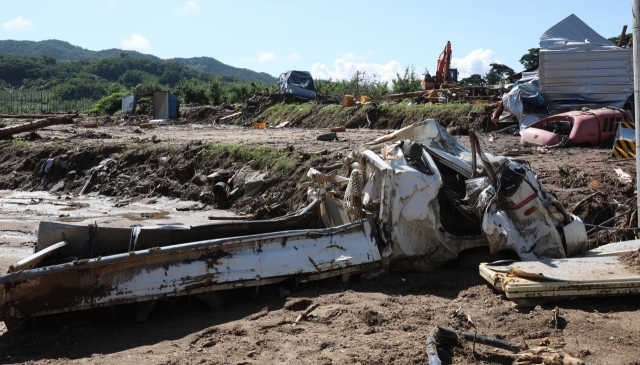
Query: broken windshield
column 301, row 80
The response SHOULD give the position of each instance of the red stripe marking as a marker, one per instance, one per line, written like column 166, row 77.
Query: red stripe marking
column 526, row 200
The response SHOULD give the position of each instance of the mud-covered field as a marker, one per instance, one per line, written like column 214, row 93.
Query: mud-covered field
column 155, row 176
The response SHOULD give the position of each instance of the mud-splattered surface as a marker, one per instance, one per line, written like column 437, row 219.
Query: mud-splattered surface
column 631, row 259
column 380, row 321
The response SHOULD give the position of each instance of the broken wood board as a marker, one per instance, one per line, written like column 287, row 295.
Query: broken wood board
column 562, row 278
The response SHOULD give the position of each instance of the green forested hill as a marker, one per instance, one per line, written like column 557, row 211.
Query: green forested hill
column 61, row 50
column 64, row 51
column 211, row 65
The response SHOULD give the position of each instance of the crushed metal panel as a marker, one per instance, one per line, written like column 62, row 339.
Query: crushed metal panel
column 378, row 175
column 112, row 240
column 419, row 240
column 190, row 269
column 525, row 222
column 332, row 211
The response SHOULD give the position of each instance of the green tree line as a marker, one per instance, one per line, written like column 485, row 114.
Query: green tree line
column 99, row 78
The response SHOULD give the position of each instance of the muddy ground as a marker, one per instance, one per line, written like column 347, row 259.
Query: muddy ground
column 382, row 321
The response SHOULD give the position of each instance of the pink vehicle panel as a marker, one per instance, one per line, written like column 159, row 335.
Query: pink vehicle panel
column 591, row 127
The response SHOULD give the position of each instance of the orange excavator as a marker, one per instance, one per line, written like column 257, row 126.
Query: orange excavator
column 444, row 73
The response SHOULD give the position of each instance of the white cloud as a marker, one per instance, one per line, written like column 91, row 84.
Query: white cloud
column 344, row 70
column 18, row 23
column 189, row 7
column 136, row 42
column 357, row 57
column 294, row 56
column 476, row 62
column 262, row 57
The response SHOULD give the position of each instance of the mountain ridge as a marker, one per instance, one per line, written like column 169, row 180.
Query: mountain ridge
column 65, row 52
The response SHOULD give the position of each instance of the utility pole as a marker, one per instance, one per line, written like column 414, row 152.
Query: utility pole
column 635, row 7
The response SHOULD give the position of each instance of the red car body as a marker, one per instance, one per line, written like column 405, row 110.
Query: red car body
column 581, row 128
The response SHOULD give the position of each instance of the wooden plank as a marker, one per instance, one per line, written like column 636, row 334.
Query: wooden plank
column 231, row 115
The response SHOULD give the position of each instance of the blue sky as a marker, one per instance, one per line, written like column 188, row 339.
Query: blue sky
column 330, row 38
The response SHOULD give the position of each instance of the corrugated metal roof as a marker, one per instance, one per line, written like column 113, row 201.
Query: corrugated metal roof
column 573, row 29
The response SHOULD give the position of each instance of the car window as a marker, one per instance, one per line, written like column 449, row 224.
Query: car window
column 303, row 81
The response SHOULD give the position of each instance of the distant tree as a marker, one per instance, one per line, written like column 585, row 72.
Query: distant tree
column 407, row 82
column 48, row 60
column 215, row 92
column 192, row 91
column 475, row 79
column 132, row 78
column 238, row 92
column 627, row 38
column 531, row 60
column 497, row 73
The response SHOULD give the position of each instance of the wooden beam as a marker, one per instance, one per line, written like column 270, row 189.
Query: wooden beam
column 35, row 116
column 37, row 124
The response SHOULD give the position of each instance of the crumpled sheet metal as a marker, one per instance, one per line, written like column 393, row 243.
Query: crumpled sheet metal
column 513, row 100
column 410, row 214
column 531, row 235
column 190, row 268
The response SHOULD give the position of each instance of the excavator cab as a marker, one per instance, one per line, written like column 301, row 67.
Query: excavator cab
column 453, row 75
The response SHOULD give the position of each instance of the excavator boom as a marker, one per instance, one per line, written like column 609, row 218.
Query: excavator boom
column 444, row 64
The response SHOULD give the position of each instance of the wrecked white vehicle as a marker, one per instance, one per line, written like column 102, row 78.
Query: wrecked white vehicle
column 413, row 199
column 432, row 198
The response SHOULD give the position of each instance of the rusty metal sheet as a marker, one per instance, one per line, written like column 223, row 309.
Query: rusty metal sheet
column 190, row 268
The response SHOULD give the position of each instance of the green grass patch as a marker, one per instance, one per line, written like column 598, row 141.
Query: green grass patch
column 446, row 114
column 258, row 156
column 150, row 148
column 20, row 142
column 279, row 113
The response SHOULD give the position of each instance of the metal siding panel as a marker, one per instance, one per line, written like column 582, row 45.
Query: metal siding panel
column 592, row 76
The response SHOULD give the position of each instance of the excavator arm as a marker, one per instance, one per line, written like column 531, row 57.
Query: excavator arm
column 444, row 64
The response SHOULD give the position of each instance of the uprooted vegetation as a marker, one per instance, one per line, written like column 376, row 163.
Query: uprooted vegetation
column 147, row 169
column 460, row 117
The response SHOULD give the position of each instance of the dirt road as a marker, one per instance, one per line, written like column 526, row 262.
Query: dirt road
column 381, row 321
